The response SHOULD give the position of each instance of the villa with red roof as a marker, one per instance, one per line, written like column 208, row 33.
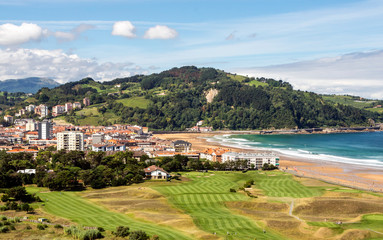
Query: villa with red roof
column 154, row 172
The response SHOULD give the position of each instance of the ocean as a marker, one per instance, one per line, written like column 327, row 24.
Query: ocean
column 351, row 148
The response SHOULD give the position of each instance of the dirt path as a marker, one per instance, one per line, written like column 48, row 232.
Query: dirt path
column 291, row 211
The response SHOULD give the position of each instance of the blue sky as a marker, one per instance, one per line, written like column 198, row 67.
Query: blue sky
column 322, row 46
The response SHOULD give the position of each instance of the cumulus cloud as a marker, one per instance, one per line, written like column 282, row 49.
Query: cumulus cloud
column 60, row 66
column 124, row 28
column 74, row 33
column 160, row 32
column 11, row 34
column 355, row 73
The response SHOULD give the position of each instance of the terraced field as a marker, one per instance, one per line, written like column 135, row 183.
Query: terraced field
column 71, row 206
column 204, row 198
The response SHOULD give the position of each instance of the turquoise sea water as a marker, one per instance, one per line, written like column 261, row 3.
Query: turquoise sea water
column 353, row 148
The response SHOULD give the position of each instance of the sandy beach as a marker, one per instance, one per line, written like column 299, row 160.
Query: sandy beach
column 350, row 175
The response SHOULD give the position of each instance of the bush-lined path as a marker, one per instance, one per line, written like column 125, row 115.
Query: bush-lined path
column 73, row 207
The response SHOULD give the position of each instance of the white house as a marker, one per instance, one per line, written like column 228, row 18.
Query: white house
column 154, row 172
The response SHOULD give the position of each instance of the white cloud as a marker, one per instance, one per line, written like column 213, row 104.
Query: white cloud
column 356, row 74
column 74, row 33
column 11, row 34
column 160, row 32
column 124, row 28
column 60, row 66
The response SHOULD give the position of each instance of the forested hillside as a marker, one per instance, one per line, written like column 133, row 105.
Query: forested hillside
column 176, row 99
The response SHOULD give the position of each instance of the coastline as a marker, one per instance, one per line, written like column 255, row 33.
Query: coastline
column 350, row 175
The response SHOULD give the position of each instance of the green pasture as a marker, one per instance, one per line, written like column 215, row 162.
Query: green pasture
column 378, row 110
column 71, row 206
column 257, row 83
column 204, row 200
column 348, row 100
column 91, row 111
column 133, row 102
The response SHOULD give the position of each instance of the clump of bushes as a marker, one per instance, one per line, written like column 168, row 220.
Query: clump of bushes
column 138, row 235
column 82, row 234
column 121, row 231
column 58, row 226
column 267, row 167
column 232, row 190
column 41, row 226
column 250, row 195
column 4, row 229
column 248, row 184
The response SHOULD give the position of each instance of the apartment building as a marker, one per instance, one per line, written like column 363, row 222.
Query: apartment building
column 70, row 141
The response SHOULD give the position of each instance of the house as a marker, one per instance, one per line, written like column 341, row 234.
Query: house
column 8, row 118
column 154, row 172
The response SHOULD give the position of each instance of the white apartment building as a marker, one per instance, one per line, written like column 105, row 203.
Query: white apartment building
column 257, row 159
column 30, row 125
column 70, row 141
column 43, row 111
column 45, row 129
column 58, row 110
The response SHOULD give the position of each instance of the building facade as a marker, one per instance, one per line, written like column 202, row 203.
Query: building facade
column 70, row 141
column 255, row 159
column 45, row 129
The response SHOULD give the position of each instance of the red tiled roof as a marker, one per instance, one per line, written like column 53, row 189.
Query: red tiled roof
column 154, row 168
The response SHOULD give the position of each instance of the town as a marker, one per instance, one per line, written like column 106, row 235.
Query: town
column 31, row 136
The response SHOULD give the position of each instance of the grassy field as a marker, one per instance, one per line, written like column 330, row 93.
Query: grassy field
column 257, row 83
column 133, row 102
column 378, row 110
column 204, row 199
column 75, row 208
column 348, row 100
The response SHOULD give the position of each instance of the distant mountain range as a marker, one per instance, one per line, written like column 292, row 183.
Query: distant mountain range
column 27, row 85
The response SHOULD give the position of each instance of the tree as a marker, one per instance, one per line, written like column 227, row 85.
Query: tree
column 138, row 235
column 121, row 231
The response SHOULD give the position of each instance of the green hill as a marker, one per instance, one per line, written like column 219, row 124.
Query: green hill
column 180, row 97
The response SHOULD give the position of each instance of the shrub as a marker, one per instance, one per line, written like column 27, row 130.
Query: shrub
column 101, row 229
column 6, row 223
column 41, row 226
column 28, row 227
column 121, row 231
column 83, row 234
column 3, row 218
column 248, row 184
column 58, row 226
column 12, row 227
column 4, row 229
column 138, row 235
column 232, row 190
